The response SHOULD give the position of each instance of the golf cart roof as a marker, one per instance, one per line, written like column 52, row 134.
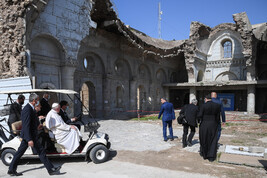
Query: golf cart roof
column 39, row 91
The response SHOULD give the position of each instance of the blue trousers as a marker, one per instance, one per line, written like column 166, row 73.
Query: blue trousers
column 165, row 123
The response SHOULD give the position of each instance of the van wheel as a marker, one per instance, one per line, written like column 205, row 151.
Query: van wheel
column 7, row 156
column 99, row 154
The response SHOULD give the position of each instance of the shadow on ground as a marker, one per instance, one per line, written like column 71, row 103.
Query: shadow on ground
column 264, row 164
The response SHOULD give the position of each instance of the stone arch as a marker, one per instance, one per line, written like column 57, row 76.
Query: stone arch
column 161, row 76
column 122, row 68
column 216, row 48
column 47, row 54
column 88, row 98
column 144, row 72
column 94, row 62
column 200, row 76
column 47, row 86
column 226, row 76
column 47, row 45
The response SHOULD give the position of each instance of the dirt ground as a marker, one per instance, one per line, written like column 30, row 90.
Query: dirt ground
column 241, row 130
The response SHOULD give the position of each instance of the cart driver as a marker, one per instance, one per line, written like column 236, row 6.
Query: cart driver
column 64, row 106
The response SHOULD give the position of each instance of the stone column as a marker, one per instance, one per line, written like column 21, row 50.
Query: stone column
column 192, row 93
column 67, row 82
column 167, row 93
column 106, row 97
column 251, row 99
column 133, row 97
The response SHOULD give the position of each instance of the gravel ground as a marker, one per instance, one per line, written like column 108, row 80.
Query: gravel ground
column 137, row 136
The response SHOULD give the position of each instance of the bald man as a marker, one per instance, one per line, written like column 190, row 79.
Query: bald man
column 217, row 100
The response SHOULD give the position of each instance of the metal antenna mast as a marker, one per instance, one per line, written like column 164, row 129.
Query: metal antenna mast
column 159, row 22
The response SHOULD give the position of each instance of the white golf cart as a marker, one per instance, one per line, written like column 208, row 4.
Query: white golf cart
column 96, row 144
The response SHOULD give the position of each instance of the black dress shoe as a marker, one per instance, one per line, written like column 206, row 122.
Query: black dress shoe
column 56, row 168
column 184, row 146
column 53, row 172
column 165, row 140
column 189, row 144
column 171, row 139
column 14, row 173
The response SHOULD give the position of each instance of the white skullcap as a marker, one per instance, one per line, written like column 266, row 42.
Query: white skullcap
column 55, row 105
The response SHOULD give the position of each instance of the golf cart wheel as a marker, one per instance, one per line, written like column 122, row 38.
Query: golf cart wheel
column 7, row 156
column 99, row 154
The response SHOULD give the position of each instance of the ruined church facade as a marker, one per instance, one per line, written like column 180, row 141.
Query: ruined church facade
column 119, row 71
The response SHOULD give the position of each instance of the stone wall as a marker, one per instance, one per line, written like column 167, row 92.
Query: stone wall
column 12, row 38
column 68, row 21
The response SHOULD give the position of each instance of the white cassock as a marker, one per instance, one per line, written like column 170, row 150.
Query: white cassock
column 64, row 135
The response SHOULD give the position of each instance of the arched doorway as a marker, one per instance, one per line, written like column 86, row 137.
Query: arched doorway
column 47, row 54
column 88, row 98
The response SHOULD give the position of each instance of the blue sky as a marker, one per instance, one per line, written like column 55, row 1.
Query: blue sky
column 178, row 14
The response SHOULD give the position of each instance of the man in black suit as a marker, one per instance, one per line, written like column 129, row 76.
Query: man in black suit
column 45, row 107
column 209, row 115
column 64, row 106
column 30, row 138
column 190, row 111
column 15, row 110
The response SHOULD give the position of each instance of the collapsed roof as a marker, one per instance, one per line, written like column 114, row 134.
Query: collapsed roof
column 106, row 18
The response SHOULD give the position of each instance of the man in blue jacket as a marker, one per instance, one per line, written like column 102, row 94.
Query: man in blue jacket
column 216, row 100
column 168, row 115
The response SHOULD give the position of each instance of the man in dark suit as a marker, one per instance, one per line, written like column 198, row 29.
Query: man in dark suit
column 15, row 110
column 30, row 138
column 45, row 107
column 216, row 100
column 190, row 111
column 64, row 106
column 209, row 115
column 168, row 115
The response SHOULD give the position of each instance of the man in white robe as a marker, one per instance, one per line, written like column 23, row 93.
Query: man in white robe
column 65, row 135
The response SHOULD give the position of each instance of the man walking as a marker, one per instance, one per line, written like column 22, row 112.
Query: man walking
column 30, row 138
column 190, row 111
column 216, row 100
column 209, row 115
column 168, row 115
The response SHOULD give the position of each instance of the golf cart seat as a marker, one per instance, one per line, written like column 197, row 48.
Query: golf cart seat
column 60, row 148
column 16, row 127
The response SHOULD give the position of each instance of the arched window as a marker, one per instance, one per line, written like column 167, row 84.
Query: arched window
column 227, row 49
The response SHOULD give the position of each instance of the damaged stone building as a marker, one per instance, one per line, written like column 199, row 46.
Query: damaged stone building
column 82, row 45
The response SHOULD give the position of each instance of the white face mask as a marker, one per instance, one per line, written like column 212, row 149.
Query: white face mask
column 36, row 104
